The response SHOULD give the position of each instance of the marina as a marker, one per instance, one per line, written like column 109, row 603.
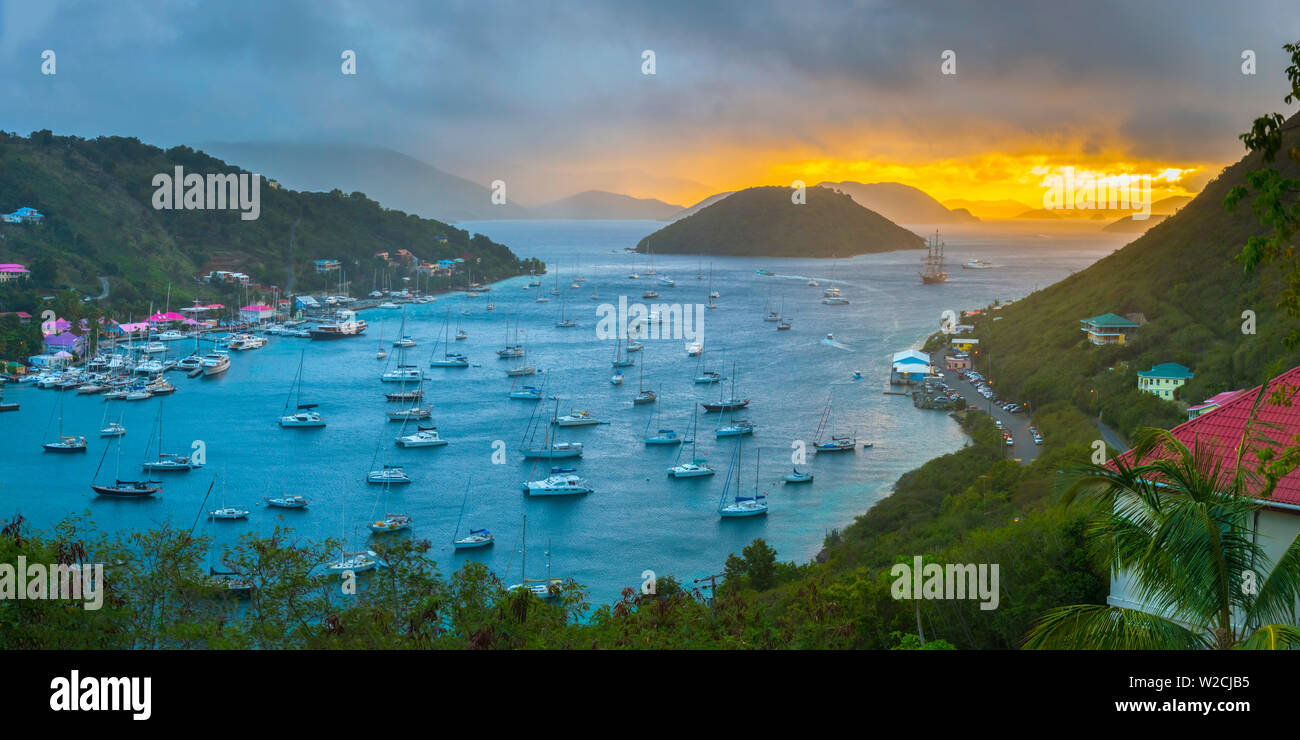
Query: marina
column 233, row 407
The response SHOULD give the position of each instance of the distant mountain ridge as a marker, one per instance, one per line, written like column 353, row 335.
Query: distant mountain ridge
column 763, row 221
column 604, row 205
column 397, row 180
column 900, row 203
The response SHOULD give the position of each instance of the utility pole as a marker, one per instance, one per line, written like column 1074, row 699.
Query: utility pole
column 713, row 588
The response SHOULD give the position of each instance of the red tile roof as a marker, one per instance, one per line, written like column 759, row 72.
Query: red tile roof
column 1220, row 430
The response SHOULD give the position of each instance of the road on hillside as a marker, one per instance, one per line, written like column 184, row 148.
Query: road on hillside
column 1024, row 450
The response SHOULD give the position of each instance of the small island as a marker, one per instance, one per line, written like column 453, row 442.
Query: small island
column 764, row 222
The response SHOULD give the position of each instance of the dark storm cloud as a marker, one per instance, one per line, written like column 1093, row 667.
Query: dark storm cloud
column 461, row 83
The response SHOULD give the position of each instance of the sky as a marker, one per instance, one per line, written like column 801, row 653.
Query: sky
column 552, row 98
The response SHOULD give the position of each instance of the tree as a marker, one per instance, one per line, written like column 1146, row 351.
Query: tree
column 1181, row 527
column 1276, row 204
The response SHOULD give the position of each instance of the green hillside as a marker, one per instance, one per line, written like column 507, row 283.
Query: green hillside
column 763, row 222
column 96, row 196
column 1182, row 276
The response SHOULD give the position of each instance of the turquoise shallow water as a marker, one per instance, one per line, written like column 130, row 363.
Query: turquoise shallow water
column 637, row 519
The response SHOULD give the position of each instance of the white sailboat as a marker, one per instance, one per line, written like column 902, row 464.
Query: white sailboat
column 305, row 415
column 449, row 358
column 542, row 588
column 476, row 538
column 698, row 466
column 548, row 448
column 741, row 506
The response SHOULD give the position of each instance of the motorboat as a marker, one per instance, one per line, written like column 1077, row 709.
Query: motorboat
column 554, row 451
column 403, row 374
column 215, row 363
column 415, row 413
column 389, row 474
column 345, row 324
column 527, row 393
column 423, row 437
column 287, row 502
column 576, row 418
column 451, row 359
column 561, row 482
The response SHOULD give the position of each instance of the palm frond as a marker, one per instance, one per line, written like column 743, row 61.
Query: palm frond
column 1272, row 637
column 1100, row 627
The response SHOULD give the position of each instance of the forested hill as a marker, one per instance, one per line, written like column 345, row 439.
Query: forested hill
column 96, row 195
column 764, row 222
column 1182, row 276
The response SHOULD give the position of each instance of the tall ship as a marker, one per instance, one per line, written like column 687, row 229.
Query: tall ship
column 932, row 263
column 345, row 324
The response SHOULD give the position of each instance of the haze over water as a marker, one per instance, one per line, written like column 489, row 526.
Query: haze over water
column 638, row 518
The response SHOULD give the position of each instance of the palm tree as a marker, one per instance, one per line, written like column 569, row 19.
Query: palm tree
column 1180, row 527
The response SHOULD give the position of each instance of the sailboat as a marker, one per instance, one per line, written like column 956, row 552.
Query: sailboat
column 728, row 404
column 381, row 353
column 712, row 293
column 644, row 395
column 305, row 415
column 112, row 428
column 351, row 562
column 771, row 315
column 796, row 477
column 449, row 358
column 698, row 466
column 136, row 489
column 835, row 443
column 525, row 393
column 565, row 322
column 620, row 360
column 741, row 506
column 783, row 323
column 403, row 340
column 703, row 376
column 476, row 537
column 548, row 449
column 227, row 512
column 512, row 349
column 662, row 436
column 390, row 522
column 168, row 461
column 404, row 371
column 65, row 443
column 542, row 588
